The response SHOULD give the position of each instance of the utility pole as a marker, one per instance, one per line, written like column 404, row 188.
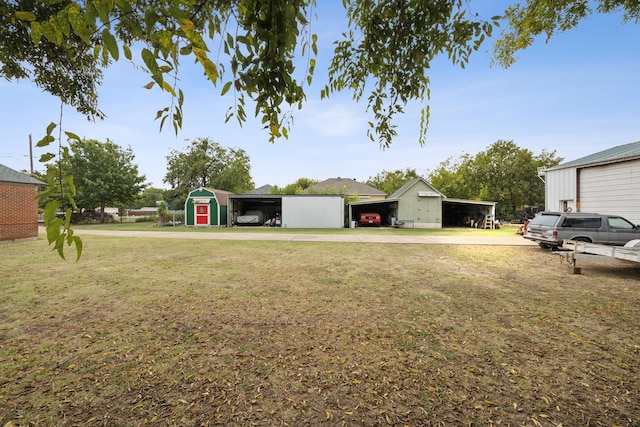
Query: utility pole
column 31, row 153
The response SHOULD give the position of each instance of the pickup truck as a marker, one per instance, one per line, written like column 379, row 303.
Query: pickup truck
column 550, row 229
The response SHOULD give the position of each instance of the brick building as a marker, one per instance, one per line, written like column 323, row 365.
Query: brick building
column 18, row 205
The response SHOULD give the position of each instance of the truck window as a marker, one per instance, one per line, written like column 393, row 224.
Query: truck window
column 543, row 219
column 620, row 223
column 582, row 222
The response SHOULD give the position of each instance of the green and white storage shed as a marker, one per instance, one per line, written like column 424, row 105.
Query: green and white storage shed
column 206, row 207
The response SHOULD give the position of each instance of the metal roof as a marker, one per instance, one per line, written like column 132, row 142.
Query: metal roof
column 620, row 153
column 410, row 184
column 10, row 175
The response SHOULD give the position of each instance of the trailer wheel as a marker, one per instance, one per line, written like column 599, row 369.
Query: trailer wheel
column 547, row 246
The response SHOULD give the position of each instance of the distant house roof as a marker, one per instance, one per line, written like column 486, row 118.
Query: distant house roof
column 351, row 186
column 10, row 175
column 620, row 153
column 265, row 189
column 400, row 191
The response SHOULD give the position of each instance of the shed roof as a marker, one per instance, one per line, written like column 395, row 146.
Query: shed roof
column 351, row 186
column 10, row 175
column 221, row 195
column 617, row 154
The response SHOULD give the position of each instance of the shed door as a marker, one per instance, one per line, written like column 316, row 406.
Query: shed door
column 202, row 215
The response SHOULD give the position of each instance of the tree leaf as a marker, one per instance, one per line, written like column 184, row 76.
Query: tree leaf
column 72, row 136
column 110, row 44
column 36, row 32
column 52, row 31
column 226, row 87
column 46, row 157
column 150, row 60
column 167, row 88
column 210, row 68
column 45, row 141
column 79, row 245
column 127, row 52
column 78, row 22
column 25, row 16
column 50, row 128
column 103, row 7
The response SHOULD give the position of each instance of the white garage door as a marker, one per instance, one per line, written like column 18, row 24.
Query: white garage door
column 612, row 189
column 312, row 211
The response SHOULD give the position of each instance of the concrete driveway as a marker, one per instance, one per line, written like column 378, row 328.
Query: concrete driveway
column 515, row 240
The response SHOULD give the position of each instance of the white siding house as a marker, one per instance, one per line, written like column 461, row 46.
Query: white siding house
column 607, row 182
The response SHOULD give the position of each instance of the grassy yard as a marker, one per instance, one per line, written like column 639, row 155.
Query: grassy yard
column 203, row 332
column 151, row 226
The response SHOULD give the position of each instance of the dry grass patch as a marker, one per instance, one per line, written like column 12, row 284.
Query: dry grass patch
column 177, row 332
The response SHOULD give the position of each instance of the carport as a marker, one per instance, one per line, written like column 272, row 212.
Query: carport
column 268, row 204
column 455, row 212
column 466, row 213
column 387, row 209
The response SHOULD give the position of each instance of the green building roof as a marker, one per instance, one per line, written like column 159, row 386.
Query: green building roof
column 620, row 153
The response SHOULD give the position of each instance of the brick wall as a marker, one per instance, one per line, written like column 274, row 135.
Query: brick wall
column 18, row 211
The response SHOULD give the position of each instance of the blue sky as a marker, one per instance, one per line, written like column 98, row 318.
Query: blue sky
column 577, row 95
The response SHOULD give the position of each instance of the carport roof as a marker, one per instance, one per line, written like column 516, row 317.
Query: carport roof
column 374, row 202
column 278, row 196
column 255, row 196
column 469, row 202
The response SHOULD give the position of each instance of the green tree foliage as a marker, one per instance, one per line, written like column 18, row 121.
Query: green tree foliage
column 104, row 174
column 452, row 178
column 205, row 163
column 265, row 51
column 257, row 50
column 504, row 173
column 532, row 18
column 59, row 194
column 149, row 196
column 64, row 47
column 389, row 46
column 391, row 181
column 300, row 186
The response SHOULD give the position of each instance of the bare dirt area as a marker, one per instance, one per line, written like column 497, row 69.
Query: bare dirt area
column 205, row 332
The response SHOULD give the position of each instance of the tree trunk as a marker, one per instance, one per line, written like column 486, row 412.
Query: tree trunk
column 102, row 208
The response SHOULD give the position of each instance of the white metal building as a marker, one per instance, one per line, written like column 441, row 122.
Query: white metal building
column 294, row 211
column 607, row 182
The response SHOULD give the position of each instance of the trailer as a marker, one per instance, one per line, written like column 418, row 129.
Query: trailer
column 576, row 250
